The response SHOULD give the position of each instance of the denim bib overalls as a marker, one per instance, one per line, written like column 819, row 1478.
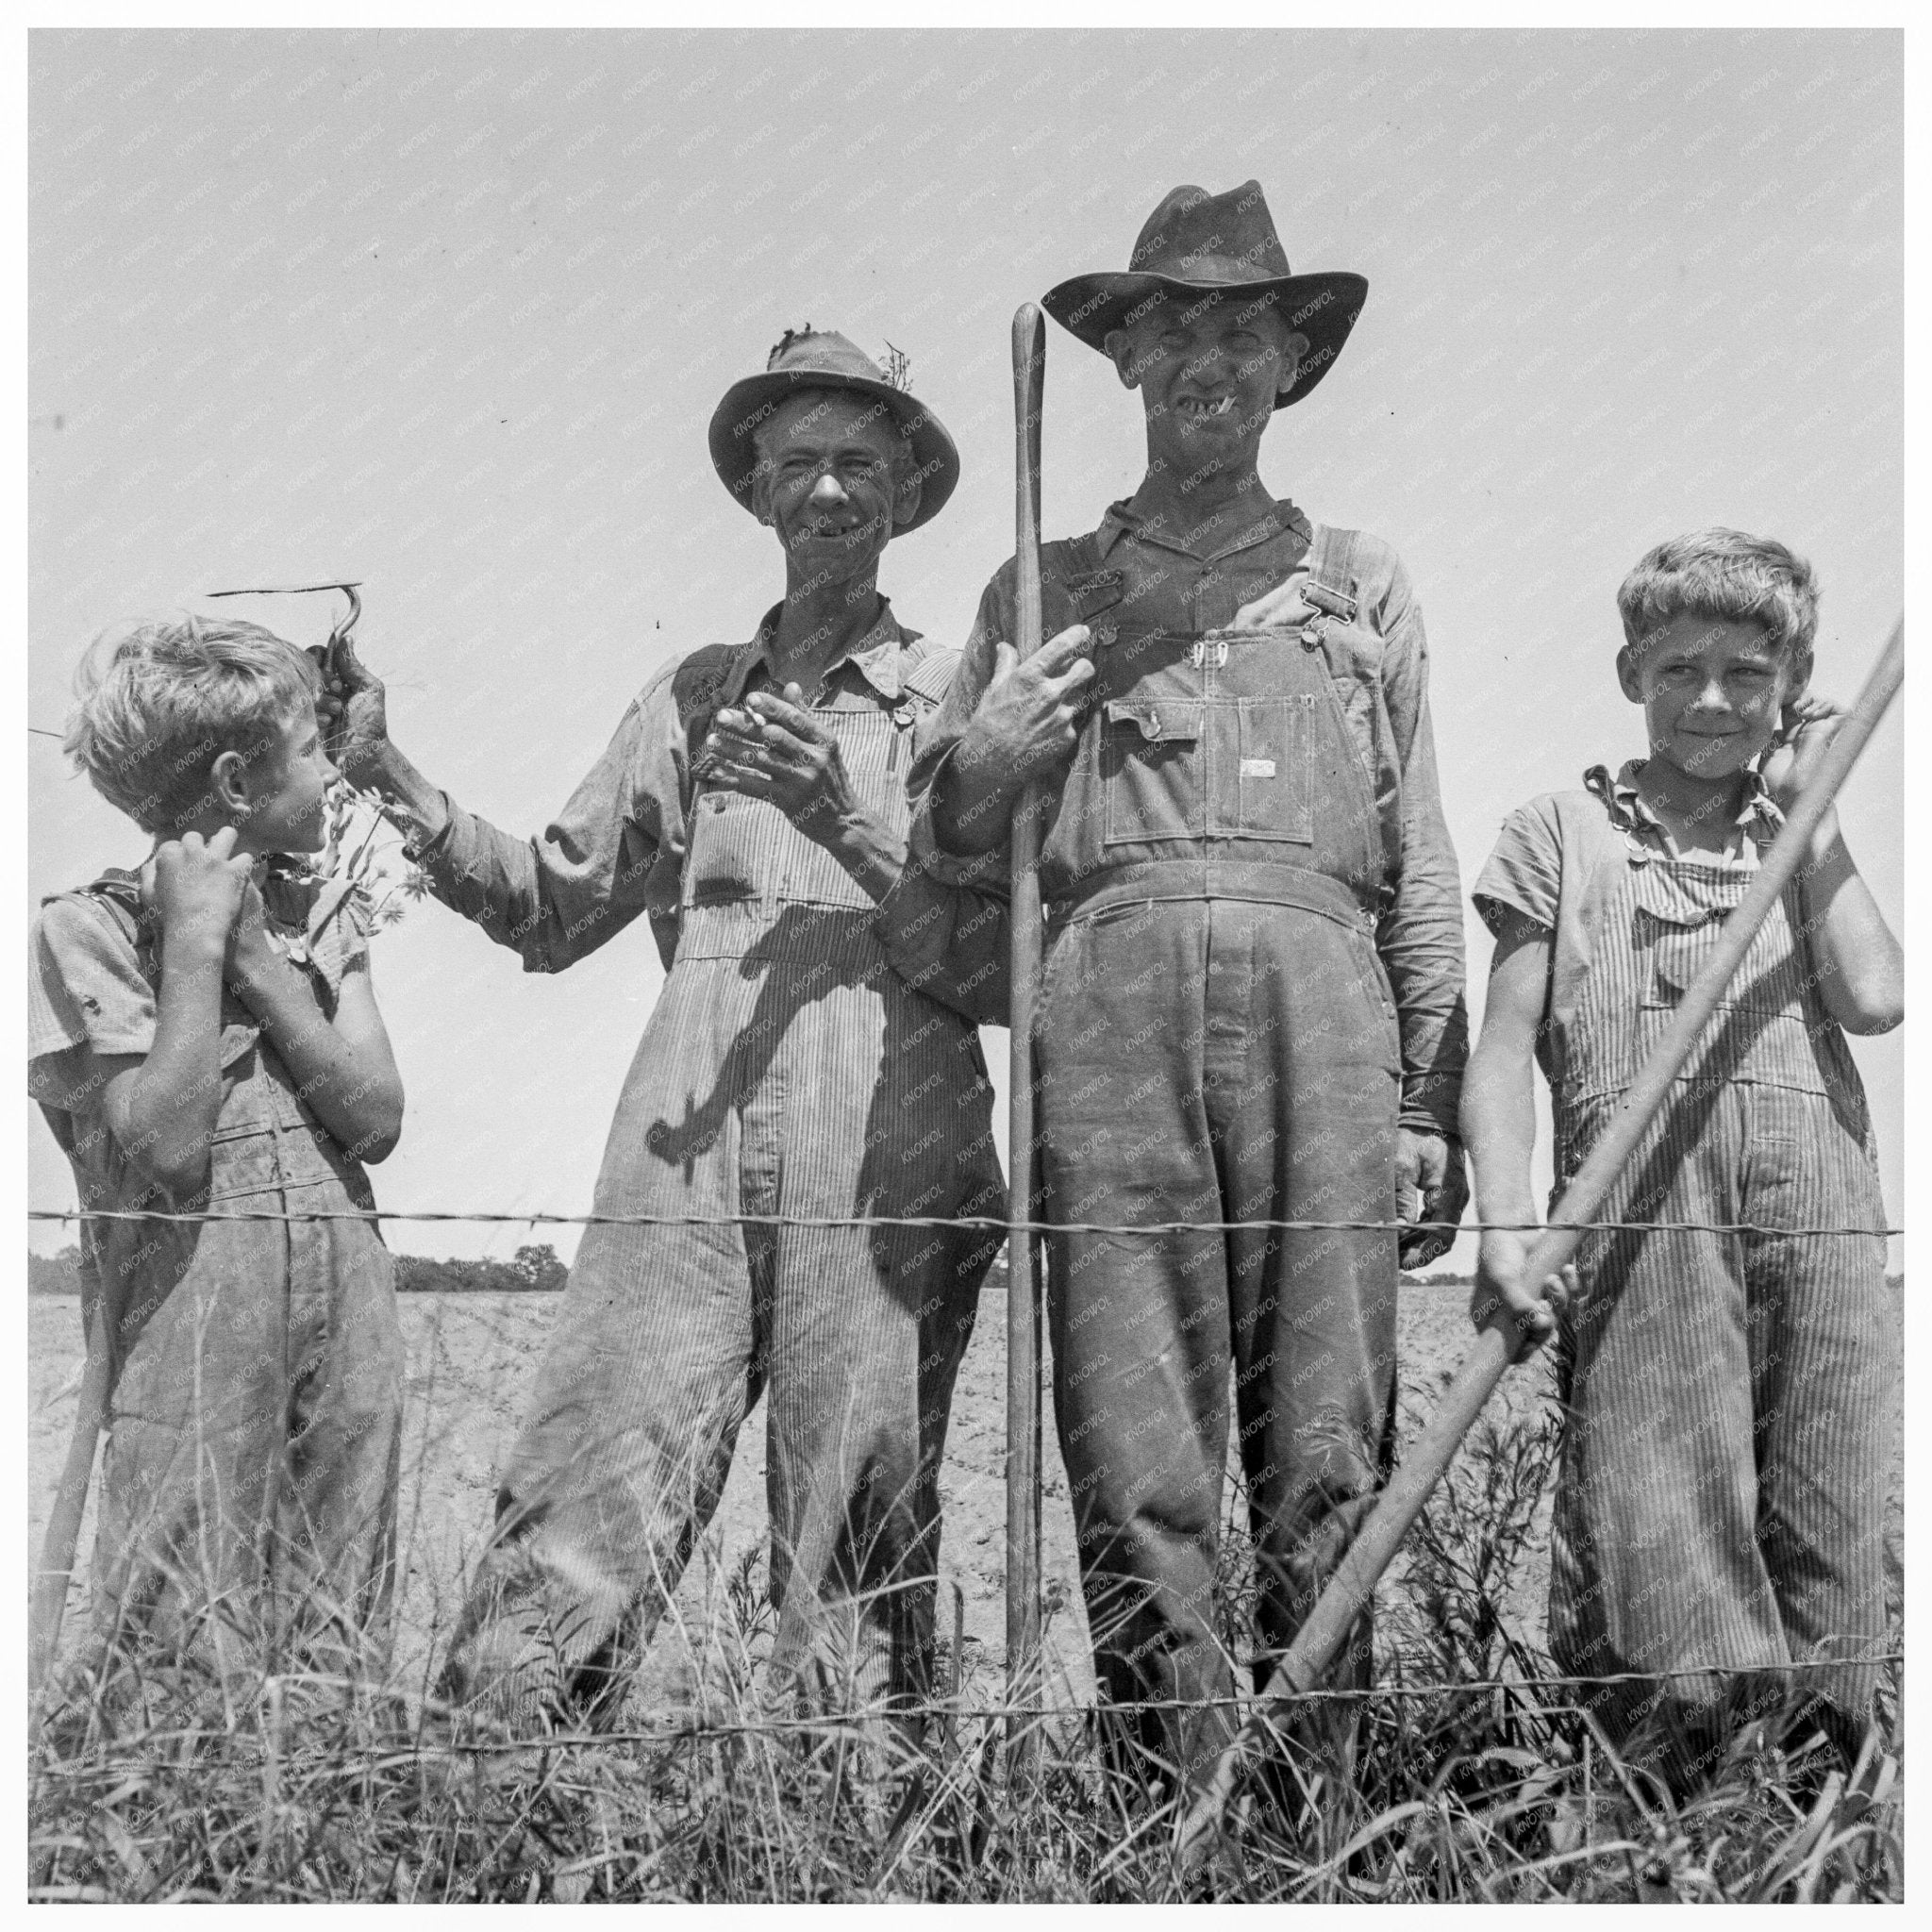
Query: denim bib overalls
column 254, row 1436
column 1728, row 1396
column 787, row 1069
column 1217, row 1043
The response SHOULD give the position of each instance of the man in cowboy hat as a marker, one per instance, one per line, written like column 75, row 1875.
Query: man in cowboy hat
column 1253, row 1005
column 807, row 1058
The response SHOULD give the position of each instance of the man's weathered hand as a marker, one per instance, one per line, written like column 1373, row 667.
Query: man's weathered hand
column 1500, row 1292
column 353, row 711
column 1027, row 720
column 1430, row 1167
column 774, row 749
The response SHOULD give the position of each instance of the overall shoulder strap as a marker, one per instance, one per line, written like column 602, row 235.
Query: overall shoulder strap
column 119, row 895
column 1068, row 568
column 1331, row 572
column 695, row 683
column 1069, row 559
column 697, row 679
column 1597, row 866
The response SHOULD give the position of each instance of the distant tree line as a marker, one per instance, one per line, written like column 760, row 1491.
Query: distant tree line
column 530, row 1271
column 54, row 1273
column 533, row 1270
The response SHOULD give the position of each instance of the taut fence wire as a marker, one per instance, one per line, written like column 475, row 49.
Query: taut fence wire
column 1024, row 1711
column 987, row 1222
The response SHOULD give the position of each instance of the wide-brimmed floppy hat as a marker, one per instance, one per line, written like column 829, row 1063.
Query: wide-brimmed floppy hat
column 822, row 359
column 1202, row 247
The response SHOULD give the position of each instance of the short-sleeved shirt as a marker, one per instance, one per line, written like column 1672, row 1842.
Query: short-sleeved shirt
column 1550, row 860
column 93, row 979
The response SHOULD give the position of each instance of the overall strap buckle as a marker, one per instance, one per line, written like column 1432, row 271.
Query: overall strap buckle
column 1331, row 603
column 1330, row 561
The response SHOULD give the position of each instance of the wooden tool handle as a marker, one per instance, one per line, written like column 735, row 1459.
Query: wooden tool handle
column 48, row 1604
column 1023, row 1288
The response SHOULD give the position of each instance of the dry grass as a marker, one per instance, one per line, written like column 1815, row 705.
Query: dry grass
column 317, row 1781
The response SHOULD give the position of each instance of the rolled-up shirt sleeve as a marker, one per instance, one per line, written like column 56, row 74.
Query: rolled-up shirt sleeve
column 1420, row 938
column 945, row 923
column 608, row 855
column 948, row 942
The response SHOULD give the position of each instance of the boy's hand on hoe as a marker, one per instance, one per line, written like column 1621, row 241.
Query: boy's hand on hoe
column 197, row 886
column 1500, row 1291
column 1807, row 725
column 354, row 710
column 774, row 748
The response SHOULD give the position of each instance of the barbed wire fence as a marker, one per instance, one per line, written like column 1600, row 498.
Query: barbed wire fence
column 951, row 1709
column 986, row 1223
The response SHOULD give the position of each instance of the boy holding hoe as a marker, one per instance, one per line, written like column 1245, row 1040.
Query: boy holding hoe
column 1728, row 1389
column 202, row 1036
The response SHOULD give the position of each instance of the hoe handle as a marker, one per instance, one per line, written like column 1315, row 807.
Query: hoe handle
column 1023, row 1286
column 47, row 1605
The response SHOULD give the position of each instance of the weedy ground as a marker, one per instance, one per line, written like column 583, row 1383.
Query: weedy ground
column 302, row 1784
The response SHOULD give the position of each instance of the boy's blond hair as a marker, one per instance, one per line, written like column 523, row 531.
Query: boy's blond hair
column 155, row 705
column 1724, row 575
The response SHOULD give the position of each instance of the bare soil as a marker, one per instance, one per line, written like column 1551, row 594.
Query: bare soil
column 471, row 1361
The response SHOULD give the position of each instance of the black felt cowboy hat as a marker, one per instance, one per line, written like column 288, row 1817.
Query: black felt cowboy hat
column 1200, row 245
column 822, row 359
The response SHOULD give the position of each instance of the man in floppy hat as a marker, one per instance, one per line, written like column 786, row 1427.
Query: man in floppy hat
column 812, row 1055
column 1253, row 1000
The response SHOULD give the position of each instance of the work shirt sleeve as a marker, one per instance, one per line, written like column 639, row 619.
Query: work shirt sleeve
column 1420, row 938
column 945, row 934
column 1523, row 874
column 938, row 745
column 612, row 852
column 87, row 1000
column 949, row 942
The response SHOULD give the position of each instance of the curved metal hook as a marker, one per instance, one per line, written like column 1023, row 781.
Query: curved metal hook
column 338, row 634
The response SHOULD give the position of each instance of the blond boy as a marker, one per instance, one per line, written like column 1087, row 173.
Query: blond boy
column 203, row 1039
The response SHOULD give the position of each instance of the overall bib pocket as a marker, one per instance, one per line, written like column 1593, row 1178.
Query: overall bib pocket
column 721, row 865
column 1260, row 753
column 1676, row 950
column 1679, row 922
column 875, row 762
column 243, row 1161
column 1149, row 767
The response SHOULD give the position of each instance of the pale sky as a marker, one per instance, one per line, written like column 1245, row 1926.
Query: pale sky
column 448, row 312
